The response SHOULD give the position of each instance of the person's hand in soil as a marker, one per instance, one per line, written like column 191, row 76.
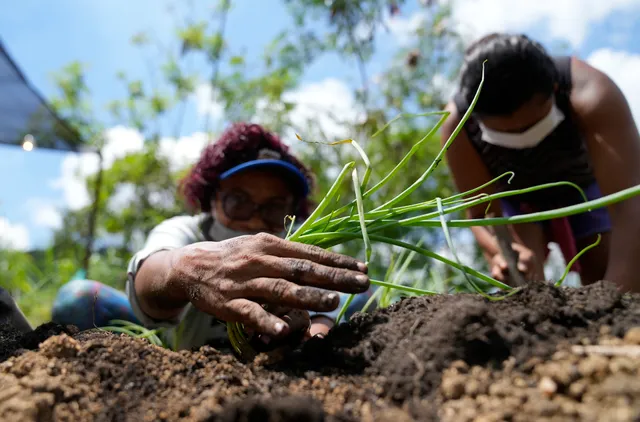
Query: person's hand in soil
column 231, row 278
column 298, row 322
column 320, row 327
column 301, row 329
column 526, row 264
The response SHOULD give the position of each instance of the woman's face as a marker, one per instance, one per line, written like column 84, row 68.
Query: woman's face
column 523, row 118
column 253, row 201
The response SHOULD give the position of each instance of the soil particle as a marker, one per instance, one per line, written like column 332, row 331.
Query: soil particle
column 502, row 360
column 600, row 388
column 12, row 341
column 278, row 410
column 103, row 377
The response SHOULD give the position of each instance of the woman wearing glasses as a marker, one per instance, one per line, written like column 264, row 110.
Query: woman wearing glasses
column 223, row 263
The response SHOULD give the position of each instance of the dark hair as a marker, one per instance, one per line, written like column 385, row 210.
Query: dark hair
column 240, row 143
column 516, row 69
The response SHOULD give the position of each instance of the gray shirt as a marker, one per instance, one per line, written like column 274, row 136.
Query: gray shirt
column 192, row 328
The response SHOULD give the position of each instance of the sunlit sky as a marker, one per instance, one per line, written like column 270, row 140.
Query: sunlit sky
column 44, row 36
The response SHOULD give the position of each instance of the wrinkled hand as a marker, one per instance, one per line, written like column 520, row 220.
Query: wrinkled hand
column 302, row 328
column 297, row 320
column 231, row 278
column 527, row 264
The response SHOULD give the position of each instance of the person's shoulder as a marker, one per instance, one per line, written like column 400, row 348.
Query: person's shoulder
column 185, row 219
column 186, row 224
column 590, row 86
column 453, row 119
column 584, row 76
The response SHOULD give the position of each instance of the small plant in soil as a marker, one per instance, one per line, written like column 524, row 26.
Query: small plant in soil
column 329, row 225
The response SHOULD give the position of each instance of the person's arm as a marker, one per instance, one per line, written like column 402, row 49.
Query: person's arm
column 614, row 147
column 154, row 299
column 468, row 172
column 230, row 279
column 158, row 295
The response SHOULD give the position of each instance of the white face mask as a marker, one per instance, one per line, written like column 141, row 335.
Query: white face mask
column 220, row 232
column 529, row 138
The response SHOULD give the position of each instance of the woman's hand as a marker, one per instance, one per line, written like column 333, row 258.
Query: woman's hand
column 301, row 329
column 320, row 327
column 526, row 264
column 299, row 325
column 231, row 278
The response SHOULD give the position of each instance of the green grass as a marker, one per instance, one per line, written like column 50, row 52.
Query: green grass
column 134, row 330
column 328, row 227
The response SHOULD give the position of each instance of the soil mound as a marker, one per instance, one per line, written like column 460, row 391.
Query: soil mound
column 387, row 365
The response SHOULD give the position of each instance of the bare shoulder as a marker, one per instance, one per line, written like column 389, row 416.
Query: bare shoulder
column 592, row 88
column 452, row 121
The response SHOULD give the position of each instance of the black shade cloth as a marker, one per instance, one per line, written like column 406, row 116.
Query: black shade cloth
column 23, row 111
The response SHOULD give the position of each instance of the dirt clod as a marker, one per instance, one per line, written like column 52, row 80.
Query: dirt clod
column 633, row 336
column 448, row 357
column 606, row 388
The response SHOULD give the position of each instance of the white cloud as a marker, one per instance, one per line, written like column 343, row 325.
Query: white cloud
column 403, row 28
column 328, row 106
column 322, row 111
column 567, row 20
column 48, row 216
column 623, row 68
column 44, row 214
column 445, row 86
column 183, row 151
column 207, row 103
column 120, row 141
column 13, row 236
column 123, row 195
column 562, row 19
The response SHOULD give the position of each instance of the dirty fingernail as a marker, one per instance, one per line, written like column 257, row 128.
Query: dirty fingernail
column 362, row 279
column 330, row 298
column 279, row 327
column 362, row 267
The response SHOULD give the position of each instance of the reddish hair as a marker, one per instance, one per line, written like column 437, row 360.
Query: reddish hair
column 238, row 144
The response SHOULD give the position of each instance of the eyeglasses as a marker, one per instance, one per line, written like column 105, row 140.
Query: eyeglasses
column 237, row 205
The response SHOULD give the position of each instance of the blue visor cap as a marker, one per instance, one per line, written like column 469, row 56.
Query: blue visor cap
column 290, row 172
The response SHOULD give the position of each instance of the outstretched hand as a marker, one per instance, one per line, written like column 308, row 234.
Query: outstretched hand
column 526, row 264
column 232, row 278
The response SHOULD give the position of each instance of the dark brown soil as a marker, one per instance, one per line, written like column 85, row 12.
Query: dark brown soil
column 382, row 366
column 13, row 342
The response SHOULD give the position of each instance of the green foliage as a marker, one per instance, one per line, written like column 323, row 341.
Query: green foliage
column 251, row 87
column 33, row 279
column 134, row 330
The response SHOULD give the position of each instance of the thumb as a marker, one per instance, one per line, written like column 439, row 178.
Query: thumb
column 522, row 266
column 499, row 261
column 497, row 273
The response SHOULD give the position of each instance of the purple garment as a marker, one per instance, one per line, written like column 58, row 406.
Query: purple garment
column 582, row 225
column 566, row 231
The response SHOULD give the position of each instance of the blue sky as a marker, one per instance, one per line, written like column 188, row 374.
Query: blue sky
column 44, row 36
